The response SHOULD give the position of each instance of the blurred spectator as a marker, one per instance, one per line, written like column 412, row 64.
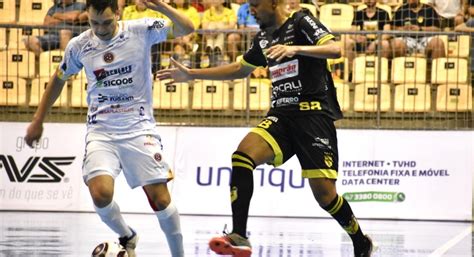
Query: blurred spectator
column 370, row 18
column 217, row 17
column 468, row 26
column 245, row 23
column 63, row 12
column 417, row 17
column 198, row 5
column 293, row 5
column 244, row 18
column 466, row 13
column 122, row 4
column 186, row 44
column 447, row 9
column 138, row 10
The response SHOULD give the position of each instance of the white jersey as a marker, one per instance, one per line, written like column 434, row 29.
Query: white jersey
column 119, row 90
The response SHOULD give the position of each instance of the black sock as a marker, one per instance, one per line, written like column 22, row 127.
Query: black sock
column 241, row 190
column 341, row 211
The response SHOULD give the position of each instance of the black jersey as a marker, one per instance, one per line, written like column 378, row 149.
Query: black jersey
column 376, row 22
column 425, row 17
column 301, row 84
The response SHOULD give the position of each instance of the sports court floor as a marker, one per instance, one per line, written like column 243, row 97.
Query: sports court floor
column 28, row 234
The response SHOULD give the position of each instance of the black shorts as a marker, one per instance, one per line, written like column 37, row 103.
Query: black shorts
column 312, row 138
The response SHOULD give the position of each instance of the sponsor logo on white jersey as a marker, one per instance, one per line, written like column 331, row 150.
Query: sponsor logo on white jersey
column 284, row 70
column 101, row 74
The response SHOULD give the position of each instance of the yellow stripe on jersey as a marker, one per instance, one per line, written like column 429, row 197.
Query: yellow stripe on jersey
column 320, row 173
column 61, row 76
column 324, row 39
column 337, row 206
column 271, row 141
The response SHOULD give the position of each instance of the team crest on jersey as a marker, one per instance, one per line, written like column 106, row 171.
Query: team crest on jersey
column 157, row 157
column 263, row 43
column 108, row 57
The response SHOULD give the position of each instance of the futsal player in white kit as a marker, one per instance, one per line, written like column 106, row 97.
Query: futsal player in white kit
column 121, row 129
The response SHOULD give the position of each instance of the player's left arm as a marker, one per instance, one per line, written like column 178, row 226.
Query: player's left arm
column 321, row 42
column 182, row 24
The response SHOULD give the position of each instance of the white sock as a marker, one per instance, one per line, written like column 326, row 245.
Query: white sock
column 111, row 216
column 169, row 223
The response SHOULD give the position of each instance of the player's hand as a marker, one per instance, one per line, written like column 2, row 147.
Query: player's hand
column 153, row 4
column 33, row 133
column 413, row 28
column 360, row 38
column 179, row 73
column 278, row 52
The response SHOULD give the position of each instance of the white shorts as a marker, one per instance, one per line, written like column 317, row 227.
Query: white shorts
column 140, row 158
column 416, row 45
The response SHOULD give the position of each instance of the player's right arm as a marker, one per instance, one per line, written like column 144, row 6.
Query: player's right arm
column 68, row 66
column 181, row 73
column 51, row 94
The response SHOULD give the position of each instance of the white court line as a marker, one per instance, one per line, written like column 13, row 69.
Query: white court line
column 448, row 245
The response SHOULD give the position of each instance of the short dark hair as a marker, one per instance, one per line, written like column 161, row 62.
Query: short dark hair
column 101, row 5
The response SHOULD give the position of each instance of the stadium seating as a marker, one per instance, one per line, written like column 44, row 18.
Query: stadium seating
column 38, row 86
column 7, row 12
column 456, row 46
column 412, row 98
column 3, row 38
column 49, row 62
column 343, row 96
column 409, row 70
column 310, row 7
column 210, row 95
column 174, row 96
column 366, row 97
column 449, row 70
column 337, row 17
column 366, row 68
column 17, row 63
column 454, row 98
column 32, row 12
column 17, row 35
column 259, row 97
column 12, row 91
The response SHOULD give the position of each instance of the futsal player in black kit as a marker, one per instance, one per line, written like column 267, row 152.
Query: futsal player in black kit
column 300, row 121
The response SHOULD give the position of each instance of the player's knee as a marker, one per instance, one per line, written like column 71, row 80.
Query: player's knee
column 161, row 203
column 101, row 196
column 324, row 191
